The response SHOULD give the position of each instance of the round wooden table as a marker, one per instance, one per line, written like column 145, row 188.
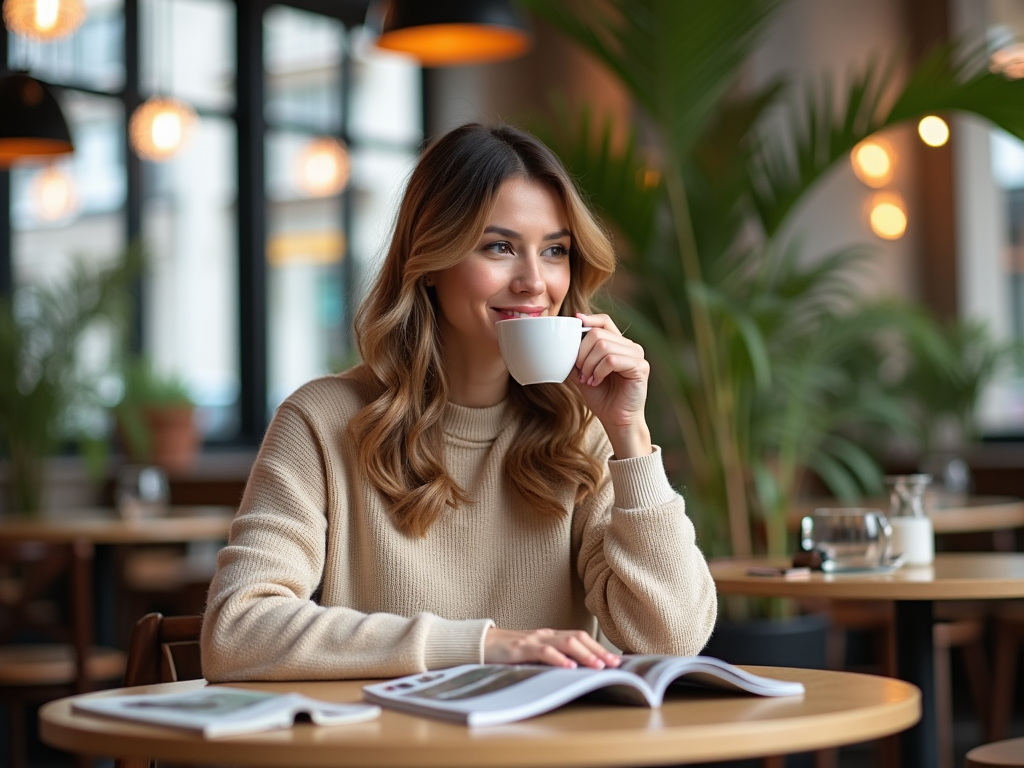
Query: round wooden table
column 953, row 576
column 104, row 528
column 838, row 708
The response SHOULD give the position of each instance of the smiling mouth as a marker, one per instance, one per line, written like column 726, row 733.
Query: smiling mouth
column 509, row 314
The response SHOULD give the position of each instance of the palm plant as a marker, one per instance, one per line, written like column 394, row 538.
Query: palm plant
column 44, row 386
column 767, row 362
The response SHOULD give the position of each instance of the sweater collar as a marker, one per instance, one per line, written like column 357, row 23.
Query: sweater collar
column 476, row 424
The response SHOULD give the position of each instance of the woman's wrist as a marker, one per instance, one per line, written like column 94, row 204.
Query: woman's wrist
column 631, row 442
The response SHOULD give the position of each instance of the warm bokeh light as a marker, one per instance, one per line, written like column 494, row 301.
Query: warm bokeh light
column 1008, row 61
column 873, row 161
column 53, row 194
column 444, row 45
column 43, row 19
column 323, row 167
column 933, row 131
column 887, row 216
column 648, row 178
column 160, row 128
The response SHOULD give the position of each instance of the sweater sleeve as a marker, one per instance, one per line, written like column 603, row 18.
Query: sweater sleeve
column 262, row 621
column 645, row 579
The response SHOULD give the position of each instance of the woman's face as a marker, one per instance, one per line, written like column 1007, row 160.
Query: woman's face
column 519, row 268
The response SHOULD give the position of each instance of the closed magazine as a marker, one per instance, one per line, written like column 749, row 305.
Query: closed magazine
column 491, row 694
column 219, row 711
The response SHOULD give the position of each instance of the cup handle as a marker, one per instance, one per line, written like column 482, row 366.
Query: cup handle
column 806, row 531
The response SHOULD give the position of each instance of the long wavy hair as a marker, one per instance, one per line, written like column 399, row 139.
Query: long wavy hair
column 400, row 434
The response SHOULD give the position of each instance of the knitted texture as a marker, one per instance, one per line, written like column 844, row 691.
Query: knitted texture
column 317, row 583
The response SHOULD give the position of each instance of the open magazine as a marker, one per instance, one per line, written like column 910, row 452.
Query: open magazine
column 219, row 711
column 490, row 694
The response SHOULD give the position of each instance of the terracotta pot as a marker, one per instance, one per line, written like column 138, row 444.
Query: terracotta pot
column 174, row 438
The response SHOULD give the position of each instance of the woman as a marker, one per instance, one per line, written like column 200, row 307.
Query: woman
column 423, row 510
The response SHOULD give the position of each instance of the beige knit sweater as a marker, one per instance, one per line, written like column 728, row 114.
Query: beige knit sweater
column 316, row 582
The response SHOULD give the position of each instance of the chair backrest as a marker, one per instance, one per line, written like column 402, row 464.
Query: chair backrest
column 31, row 574
column 164, row 649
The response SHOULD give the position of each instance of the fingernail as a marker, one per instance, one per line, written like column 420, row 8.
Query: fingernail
column 590, row 381
column 598, row 664
column 581, row 379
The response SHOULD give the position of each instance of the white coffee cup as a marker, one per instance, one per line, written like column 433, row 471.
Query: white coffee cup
column 540, row 350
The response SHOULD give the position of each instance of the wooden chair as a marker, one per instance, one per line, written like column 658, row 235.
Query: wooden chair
column 163, row 649
column 1000, row 753
column 46, row 631
column 1009, row 637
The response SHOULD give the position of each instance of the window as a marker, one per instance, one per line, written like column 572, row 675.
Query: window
column 321, row 81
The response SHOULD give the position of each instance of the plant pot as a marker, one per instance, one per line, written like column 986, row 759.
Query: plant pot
column 174, row 439
column 793, row 642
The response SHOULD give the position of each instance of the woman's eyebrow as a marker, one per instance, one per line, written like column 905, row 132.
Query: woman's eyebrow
column 512, row 233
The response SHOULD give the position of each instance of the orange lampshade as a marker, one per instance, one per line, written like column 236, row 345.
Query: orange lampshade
column 31, row 123
column 454, row 32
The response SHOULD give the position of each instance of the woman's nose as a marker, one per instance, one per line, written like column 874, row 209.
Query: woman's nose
column 529, row 278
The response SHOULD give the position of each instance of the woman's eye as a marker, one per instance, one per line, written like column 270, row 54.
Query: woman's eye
column 499, row 247
column 557, row 251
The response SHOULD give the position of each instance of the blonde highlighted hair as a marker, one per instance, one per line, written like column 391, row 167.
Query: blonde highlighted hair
column 400, row 433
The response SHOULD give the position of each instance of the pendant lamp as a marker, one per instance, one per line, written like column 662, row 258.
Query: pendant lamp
column 445, row 33
column 31, row 123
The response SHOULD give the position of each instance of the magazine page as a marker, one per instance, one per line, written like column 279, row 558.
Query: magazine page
column 490, row 694
column 662, row 672
column 220, row 711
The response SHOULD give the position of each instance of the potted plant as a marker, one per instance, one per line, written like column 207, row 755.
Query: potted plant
column 156, row 418
column 48, row 394
column 766, row 359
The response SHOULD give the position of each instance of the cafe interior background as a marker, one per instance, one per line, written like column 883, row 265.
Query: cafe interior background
column 262, row 206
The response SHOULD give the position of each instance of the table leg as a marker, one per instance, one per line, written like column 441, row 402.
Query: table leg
column 105, row 594
column 915, row 663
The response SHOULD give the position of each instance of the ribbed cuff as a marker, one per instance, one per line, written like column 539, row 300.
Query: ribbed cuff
column 451, row 643
column 640, row 482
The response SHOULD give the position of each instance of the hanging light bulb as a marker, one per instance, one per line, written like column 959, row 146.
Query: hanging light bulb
column 53, row 194
column 323, row 167
column 887, row 215
column 160, row 128
column 43, row 19
column 873, row 161
column 933, row 131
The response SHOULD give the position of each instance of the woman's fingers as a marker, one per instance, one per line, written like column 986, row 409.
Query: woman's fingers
column 604, row 354
column 559, row 648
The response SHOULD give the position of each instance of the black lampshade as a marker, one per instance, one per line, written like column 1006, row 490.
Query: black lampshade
column 31, row 123
column 449, row 32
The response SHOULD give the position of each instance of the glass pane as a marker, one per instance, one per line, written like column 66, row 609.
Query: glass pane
column 188, row 51
column 92, row 57
column 302, row 59
column 1008, row 172
column 386, row 96
column 306, row 252
column 190, row 296
column 72, row 210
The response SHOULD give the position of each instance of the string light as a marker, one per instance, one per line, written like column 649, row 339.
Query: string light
column 43, row 19
column 887, row 216
column 323, row 167
column 933, row 131
column 873, row 162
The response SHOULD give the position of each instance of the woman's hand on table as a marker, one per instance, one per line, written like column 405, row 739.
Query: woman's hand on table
column 568, row 648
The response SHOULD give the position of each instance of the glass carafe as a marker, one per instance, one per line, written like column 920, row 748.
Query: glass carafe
column 912, row 533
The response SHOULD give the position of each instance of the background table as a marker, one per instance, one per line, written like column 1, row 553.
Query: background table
column 978, row 514
column 104, row 528
column 838, row 708
column 981, row 576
